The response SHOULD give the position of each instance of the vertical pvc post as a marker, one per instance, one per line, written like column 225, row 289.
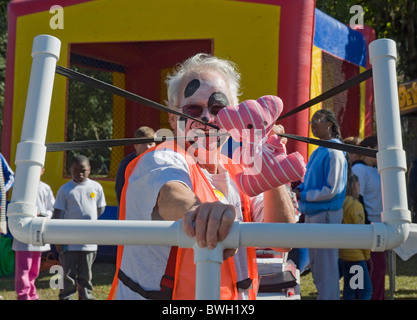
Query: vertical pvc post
column 391, row 156
column 31, row 151
column 208, row 266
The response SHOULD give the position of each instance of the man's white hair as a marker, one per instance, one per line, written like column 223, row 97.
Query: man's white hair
column 199, row 63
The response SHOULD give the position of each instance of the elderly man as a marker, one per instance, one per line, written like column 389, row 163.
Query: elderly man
column 191, row 180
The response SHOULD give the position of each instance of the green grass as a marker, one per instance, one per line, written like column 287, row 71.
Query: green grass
column 405, row 283
column 102, row 278
column 405, row 287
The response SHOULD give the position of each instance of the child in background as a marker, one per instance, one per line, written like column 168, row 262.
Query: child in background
column 354, row 213
column 80, row 198
column 28, row 256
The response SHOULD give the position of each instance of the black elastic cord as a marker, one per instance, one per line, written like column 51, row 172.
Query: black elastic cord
column 330, row 93
column 333, row 145
column 122, row 93
column 136, row 98
column 90, row 144
column 73, row 145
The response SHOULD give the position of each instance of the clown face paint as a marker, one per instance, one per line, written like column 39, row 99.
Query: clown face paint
column 204, row 96
column 191, row 88
column 218, row 98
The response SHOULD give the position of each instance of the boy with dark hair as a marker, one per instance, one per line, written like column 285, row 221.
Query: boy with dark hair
column 79, row 198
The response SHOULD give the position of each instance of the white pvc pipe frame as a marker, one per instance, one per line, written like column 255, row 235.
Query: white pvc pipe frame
column 30, row 156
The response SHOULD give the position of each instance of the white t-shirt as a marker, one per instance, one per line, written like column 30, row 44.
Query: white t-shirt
column 370, row 190
column 146, row 264
column 80, row 201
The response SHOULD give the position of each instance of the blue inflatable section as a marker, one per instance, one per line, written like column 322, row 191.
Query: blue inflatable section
column 334, row 37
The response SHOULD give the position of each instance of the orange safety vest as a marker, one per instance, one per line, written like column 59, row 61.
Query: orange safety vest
column 185, row 271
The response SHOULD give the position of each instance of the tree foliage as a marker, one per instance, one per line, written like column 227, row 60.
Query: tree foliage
column 90, row 117
column 3, row 46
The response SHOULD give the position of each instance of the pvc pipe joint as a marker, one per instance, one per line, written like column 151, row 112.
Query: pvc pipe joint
column 46, row 44
column 382, row 48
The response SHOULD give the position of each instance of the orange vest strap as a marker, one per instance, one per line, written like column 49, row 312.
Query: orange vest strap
column 154, row 295
column 168, row 279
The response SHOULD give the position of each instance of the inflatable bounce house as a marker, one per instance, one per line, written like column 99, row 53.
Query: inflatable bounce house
column 286, row 48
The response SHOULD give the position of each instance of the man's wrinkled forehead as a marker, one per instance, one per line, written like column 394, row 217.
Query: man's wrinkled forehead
column 195, row 84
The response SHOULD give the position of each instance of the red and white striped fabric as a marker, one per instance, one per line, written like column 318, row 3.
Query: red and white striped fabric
column 266, row 162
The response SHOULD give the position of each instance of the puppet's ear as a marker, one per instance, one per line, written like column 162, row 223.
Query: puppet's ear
column 271, row 108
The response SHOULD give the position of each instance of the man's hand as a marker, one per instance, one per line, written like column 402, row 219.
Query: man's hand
column 277, row 129
column 210, row 223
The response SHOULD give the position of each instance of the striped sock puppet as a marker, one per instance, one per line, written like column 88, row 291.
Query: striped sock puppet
column 263, row 155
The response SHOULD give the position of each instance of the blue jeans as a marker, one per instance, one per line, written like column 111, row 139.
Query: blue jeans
column 357, row 282
column 324, row 262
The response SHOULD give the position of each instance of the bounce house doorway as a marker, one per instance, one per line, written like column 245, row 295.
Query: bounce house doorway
column 139, row 67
